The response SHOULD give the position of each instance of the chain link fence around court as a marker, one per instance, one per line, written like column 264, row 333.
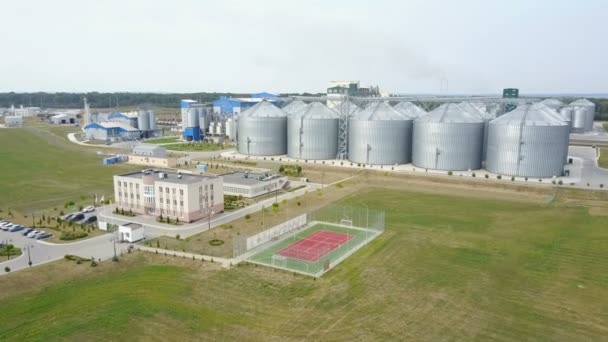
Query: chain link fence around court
column 313, row 243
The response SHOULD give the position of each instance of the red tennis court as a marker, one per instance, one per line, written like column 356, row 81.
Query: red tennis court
column 314, row 246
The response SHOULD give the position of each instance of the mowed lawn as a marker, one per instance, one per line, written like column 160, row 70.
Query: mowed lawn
column 41, row 169
column 447, row 267
column 603, row 161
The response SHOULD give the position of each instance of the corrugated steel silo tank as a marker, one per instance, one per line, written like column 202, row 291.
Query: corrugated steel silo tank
column 589, row 108
column 192, row 118
column 552, row 103
column 143, row 121
column 262, row 130
column 380, row 135
column 527, row 142
column 579, row 115
column 312, row 133
column 485, row 113
column 152, row 118
column 448, row 138
column 567, row 113
column 294, row 106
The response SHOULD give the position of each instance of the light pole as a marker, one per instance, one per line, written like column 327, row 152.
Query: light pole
column 29, row 256
column 8, row 250
column 210, row 213
column 113, row 240
column 366, row 215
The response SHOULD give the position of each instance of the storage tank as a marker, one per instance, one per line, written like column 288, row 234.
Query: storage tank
column 448, row 138
column 380, row 134
column 485, row 113
column 294, row 106
column 527, row 142
column 262, row 130
column 579, row 116
column 192, row 118
column 152, row 118
column 410, row 109
column 143, row 121
column 588, row 108
column 312, row 133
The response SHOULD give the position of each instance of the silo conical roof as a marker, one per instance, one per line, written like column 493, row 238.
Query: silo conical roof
column 409, row 109
column 315, row 110
column 264, row 109
column 582, row 102
column 451, row 113
column 529, row 115
column 552, row 103
column 294, row 106
column 478, row 109
column 380, row 111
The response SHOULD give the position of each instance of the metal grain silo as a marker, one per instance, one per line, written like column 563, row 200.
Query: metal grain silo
column 152, row 119
column 588, row 108
column 380, row 134
column 485, row 113
column 448, row 138
column 294, row 106
column 192, row 118
column 527, row 142
column 262, row 130
column 143, row 120
column 579, row 116
column 410, row 109
column 312, row 133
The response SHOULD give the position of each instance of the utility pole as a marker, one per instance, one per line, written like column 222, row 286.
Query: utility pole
column 29, row 256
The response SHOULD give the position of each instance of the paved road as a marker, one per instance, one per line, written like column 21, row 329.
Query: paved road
column 100, row 247
column 590, row 172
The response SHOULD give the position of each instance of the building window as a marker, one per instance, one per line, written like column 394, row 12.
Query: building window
column 118, row 183
column 181, row 192
column 167, row 190
column 181, row 203
column 174, row 191
column 160, row 189
column 168, row 202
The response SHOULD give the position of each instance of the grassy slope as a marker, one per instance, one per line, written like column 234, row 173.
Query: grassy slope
column 41, row 169
column 446, row 267
column 603, row 161
column 161, row 141
column 196, row 147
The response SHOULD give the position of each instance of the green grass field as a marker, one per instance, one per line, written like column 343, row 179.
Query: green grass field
column 41, row 169
column 447, row 267
column 161, row 141
column 196, row 146
column 603, row 161
column 313, row 268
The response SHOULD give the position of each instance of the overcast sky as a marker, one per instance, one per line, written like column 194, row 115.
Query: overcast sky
column 297, row 46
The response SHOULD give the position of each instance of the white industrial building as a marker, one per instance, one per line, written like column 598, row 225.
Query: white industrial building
column 24, row 111
column 13, row 121
column 184, row 196
column 149, row 151
column 65, row 119
column 131, row 232
column 251, row 185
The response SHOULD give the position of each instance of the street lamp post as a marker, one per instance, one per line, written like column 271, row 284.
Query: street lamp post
column 8, row 250
column 210, row 213
column 29, row 256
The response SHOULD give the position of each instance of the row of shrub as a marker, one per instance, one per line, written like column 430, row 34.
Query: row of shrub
column 67, row 236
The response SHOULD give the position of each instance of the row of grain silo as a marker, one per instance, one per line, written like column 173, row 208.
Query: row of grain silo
column 531, row 140
column 580, row 113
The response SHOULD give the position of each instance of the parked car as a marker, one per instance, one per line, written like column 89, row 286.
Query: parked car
column 35, row 236
column 88, row 209
column 6, row 227
column 32, row 233
column 89, row 220
column 27, row 231
column 76, row 217
column 43, row 236
column 16, row 228
column 68, row 217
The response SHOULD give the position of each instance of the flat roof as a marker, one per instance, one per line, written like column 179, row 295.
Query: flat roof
column 148, row 147
column 170, row 177
column 132, row 225
column 238, row 177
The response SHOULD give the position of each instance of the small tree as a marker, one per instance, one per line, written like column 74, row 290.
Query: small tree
column 512, row 178
column 177, row 236
column 157, row 243
column 247, row 217
column 487, row 176
column 601, row 185
column 499, row 177
column 450, row 173
column 560, row 182
column 176, row 220
column 161, row 217
column 473, row 174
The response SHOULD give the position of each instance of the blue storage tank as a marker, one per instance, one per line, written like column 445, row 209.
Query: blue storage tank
column 202, row 167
